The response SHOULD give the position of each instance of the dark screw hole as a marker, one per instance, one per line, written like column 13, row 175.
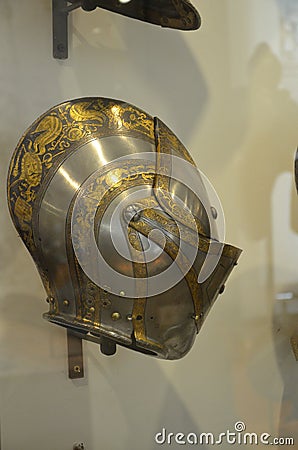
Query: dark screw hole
column 221, row 289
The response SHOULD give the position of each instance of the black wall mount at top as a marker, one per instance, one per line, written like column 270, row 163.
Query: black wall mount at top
column 60, row 11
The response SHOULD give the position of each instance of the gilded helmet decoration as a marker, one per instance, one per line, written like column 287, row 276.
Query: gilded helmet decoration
column 125, row 231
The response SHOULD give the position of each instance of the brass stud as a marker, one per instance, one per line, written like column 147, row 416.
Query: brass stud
column 65, row 302
column 92, row 309
column 122, row 293
column 116, row 315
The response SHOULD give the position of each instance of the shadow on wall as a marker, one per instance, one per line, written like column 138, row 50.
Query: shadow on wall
column 122, row 403
column 40, row 406
column 144, row 64
column 256, row 353
column 271, row 137
column 288, row 366
column 141, row 399
column 285, row 320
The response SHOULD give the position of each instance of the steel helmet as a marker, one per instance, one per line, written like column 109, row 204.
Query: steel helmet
column 121, row 225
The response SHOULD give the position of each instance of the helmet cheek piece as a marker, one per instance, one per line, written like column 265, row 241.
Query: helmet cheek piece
column 119, row 230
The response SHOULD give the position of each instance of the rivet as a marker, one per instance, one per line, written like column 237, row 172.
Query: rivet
column 77, row 369
column 213, row 212
column 116, row 315
column 195, row 316
column 129, row 317
column 65, row 302
column 51, row 300
column 122, row 293
column 92, row 309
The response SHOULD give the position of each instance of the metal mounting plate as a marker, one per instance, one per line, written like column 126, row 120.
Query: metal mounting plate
column 60, row 29
column 75, row 356
column 176, row 14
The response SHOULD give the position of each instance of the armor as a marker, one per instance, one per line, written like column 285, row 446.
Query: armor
column 121, row 226
column 179, row 14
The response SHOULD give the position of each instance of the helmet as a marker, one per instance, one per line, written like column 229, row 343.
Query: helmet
column 121, row 225
column 179, row 14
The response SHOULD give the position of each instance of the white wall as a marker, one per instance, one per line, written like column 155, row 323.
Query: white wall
column 230, row 92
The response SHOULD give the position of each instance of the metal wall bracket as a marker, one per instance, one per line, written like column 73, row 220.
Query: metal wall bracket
column 75, row 356
column 75, row 350
column 296, row 170
column 60, row 12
